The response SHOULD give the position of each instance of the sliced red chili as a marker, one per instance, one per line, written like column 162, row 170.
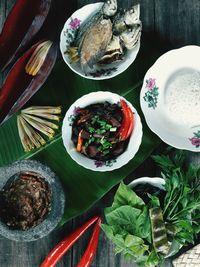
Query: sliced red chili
column 58, row 252
column 131, row 121
column 89, row 254
column 127, row 123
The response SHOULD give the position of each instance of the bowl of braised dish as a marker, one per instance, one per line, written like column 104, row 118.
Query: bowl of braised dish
column 102, row 131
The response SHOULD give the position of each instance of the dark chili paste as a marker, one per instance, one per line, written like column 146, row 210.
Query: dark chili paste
column 95, row 131
column 25, row 201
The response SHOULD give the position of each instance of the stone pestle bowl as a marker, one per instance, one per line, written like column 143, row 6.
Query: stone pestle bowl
column 57, row 202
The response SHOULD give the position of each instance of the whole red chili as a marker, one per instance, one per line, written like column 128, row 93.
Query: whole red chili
column 58, row 252
column 89, row 254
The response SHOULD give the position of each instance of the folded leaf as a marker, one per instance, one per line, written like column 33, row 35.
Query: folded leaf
column 126, row 196
column 19, row 86
column 24, row 21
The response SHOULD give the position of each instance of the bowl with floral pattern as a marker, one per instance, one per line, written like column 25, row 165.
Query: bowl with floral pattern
column 100, row 71
column 73, row 114
column 170, row 98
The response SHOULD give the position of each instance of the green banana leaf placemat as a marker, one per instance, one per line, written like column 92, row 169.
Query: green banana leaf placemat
column 83, row 187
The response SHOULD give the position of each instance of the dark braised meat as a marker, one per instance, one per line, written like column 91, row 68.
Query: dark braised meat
column 95, row 131
column 25, row 201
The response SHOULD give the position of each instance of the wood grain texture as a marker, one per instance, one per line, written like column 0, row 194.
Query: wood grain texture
column 174, row 21
column 177, row 22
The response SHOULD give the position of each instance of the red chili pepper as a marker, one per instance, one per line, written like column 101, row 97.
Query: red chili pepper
column 58, row 252
column 89, row 254
column 127, row 123
column 131, row 120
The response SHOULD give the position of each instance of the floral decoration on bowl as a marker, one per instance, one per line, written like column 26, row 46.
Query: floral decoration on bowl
column 195, row 140
column 151, row 96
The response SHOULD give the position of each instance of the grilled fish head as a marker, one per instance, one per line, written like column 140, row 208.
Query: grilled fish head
column 109, row 8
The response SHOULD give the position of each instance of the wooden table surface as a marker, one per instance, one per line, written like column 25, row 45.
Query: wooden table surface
column 174, row 23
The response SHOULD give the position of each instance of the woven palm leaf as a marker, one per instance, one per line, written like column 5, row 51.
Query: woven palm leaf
column 191, row 258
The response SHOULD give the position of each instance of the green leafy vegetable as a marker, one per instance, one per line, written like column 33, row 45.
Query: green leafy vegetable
column 182, row 201
column 147, row 233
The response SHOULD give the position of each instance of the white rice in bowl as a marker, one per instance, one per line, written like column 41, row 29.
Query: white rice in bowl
column 182, row 98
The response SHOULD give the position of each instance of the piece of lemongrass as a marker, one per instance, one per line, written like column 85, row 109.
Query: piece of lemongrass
column 42, row 109
column 26, row 143
column 38, row 57
column 40, row 127
column 30, row 132
column 45, row 122
column 38, row 140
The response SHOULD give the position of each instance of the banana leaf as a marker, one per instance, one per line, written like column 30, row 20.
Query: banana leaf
column 83, row 187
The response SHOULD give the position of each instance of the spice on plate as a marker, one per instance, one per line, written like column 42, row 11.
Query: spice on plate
column 26, row 201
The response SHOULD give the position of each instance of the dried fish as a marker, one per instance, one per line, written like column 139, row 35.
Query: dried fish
column 95, row 43
column 93, row 37
column 126, row 20
column 109, row 8
column 131, row 37
column 113, row 52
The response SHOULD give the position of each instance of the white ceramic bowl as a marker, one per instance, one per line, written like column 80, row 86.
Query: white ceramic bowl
column 154, row 181
column 175, row 65
column 134, row 142
column 99, row 73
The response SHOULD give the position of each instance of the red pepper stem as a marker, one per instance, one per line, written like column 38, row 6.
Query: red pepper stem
column 58, row 252
column 89, row 254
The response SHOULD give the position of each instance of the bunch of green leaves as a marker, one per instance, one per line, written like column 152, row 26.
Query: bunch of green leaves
column 129, row 228
column 182, row 200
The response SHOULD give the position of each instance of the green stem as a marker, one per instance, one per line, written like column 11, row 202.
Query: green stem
column 176, row 204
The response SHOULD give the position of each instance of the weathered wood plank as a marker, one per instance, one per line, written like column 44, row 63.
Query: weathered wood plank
column 178, row 22
column 174, row 21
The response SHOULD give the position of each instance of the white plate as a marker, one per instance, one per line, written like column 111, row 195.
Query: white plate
column 101, row 73
column 178, row 64
column 129, row 153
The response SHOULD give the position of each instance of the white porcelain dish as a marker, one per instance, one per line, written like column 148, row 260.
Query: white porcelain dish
column 170, row 70
column 129, row 153
column 100, row 72
column 154, row 181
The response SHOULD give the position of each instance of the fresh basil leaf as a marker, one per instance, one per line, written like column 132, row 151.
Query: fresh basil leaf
column 126, row 196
